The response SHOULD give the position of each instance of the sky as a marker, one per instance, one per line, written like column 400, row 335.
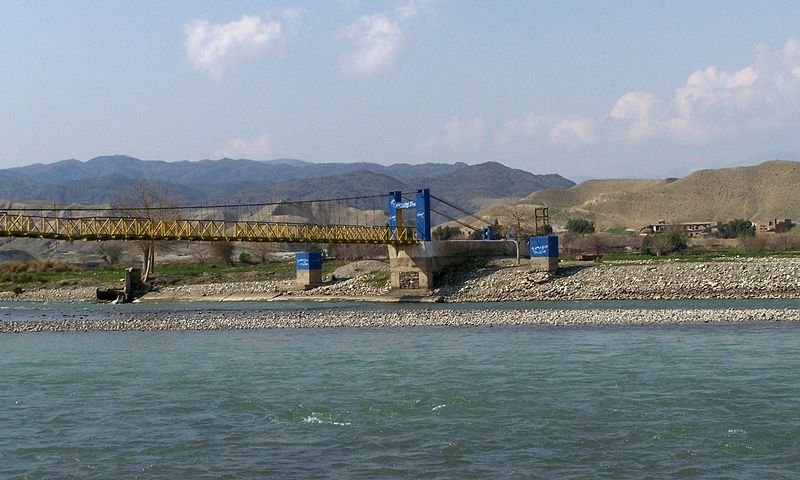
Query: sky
column 586, row 89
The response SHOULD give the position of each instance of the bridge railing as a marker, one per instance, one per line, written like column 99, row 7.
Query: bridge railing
column 120, row 228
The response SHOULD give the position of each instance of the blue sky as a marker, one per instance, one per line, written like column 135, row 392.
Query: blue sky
column 584, row 89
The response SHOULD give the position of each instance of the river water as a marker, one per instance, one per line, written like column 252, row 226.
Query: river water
column 673, row 401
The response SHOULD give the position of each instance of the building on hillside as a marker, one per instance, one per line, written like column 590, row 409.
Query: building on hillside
column 772, row 225
column 690, row 229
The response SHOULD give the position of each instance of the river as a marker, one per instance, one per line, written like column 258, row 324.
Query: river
column 698, row 400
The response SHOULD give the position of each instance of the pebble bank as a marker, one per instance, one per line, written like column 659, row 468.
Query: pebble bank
column 235, row 320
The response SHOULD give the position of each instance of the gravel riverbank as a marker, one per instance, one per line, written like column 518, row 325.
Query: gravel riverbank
column 169, row 321
column 654, row 280
column 667, row 280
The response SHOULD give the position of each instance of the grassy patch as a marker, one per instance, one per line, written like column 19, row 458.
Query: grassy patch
column 27, row 275
column 377, row 279
column 17, row 275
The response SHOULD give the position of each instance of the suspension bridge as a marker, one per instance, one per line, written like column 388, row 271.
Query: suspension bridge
column 371, row 219
column 348, row 220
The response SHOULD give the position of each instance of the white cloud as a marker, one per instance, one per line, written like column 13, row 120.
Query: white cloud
column 710, row 89
column 458, row 134
column 573, row 131
column 257, row 149
column 637, row 108
column 634, row 106
column 553, row 129
column 736, row 113
column 378, row 40
column 216, row 48
column 717, row 102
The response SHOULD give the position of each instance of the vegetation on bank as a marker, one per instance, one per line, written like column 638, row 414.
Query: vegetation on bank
column 580, row 225
column 698, row 257
column 19, row 276
column 377, row 279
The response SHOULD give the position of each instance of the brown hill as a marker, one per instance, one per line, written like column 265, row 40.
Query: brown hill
column 767, row 190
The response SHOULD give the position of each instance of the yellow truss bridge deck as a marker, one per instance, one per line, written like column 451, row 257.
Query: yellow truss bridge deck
column 116, row 228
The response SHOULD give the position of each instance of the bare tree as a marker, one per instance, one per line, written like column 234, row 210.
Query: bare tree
column 222, row 252
column 597, row 243
column 517, row 217
column 201, row 255
column 262, row 251
column 146, row 201
column 567, row 242
column 110, row 252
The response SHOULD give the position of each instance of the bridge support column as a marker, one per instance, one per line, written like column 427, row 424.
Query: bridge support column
column 414, row 267
column 544, row 253
column 309, row 269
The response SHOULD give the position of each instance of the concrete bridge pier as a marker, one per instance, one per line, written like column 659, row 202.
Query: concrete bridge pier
column 414, row 267
column 544, row 253
column 309, row 270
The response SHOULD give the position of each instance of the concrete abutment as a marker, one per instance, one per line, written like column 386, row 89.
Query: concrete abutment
column 413, row 267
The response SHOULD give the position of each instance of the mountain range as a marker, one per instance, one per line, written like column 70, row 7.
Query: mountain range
column 100, row 180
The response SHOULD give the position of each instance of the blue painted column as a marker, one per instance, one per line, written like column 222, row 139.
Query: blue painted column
column 424, row 215
column 309, row 269
column 544, row 252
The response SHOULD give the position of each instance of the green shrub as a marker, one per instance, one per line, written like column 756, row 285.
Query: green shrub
column 736, row 228
column 580, row 225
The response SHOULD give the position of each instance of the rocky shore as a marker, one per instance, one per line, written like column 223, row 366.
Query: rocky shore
column 674, row 280
column 649, row 280
column 245, row 320
column 62, row 294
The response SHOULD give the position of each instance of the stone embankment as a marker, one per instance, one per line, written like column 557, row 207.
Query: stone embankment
column 240, row 320
column 722, row 279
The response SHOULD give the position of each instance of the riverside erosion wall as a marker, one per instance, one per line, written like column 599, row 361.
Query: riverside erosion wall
column 413, row 267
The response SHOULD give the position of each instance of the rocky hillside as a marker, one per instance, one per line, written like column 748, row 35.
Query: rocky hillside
column 767, row 190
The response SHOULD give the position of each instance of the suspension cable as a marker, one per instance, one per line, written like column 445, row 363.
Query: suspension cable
column 189, row 207
column 454, row 220
column 449, row 204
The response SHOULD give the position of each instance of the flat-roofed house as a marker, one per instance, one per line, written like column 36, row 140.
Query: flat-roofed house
column 772, row 225
column 690, row 229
